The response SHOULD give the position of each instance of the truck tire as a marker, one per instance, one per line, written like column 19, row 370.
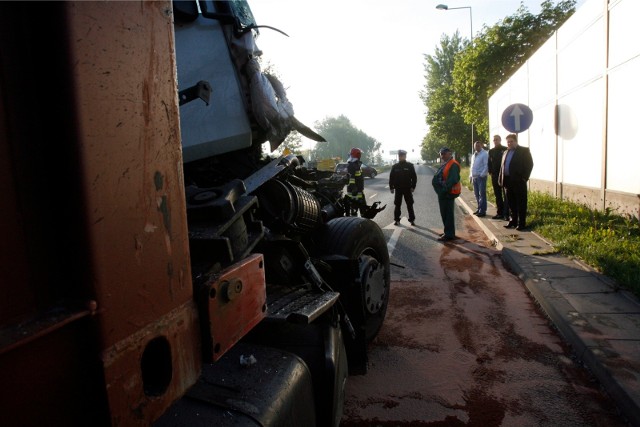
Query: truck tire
column 361, row 239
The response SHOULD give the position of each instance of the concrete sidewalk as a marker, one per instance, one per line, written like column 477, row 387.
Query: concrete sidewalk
column 599, row 321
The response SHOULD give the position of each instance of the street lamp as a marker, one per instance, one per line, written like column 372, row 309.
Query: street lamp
column 445, row 7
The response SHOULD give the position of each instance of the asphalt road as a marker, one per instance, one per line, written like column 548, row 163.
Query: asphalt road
column 463, row 343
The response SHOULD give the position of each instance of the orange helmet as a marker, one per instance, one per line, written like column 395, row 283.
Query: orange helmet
column 355, row 154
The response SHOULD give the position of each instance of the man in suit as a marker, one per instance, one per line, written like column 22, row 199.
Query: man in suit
column 514, row 174
column 495, row 163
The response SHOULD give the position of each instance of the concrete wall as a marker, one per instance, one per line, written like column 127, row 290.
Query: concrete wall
column 583, row 87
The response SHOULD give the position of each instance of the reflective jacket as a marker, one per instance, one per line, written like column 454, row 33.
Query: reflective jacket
column 446, row 181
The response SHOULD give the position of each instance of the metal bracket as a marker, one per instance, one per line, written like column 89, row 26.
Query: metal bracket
column 201, row 90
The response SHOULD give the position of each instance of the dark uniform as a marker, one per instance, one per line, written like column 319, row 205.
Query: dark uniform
column 355, row 187
column 403, row 180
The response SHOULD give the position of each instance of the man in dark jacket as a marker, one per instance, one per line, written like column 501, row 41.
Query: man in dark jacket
column 402, row 181
column 495, row 162
column 517, row 165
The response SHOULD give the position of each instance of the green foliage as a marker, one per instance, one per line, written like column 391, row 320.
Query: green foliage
column 446, row 127
column 496, row 54
column 341, row 136
column 606, row 241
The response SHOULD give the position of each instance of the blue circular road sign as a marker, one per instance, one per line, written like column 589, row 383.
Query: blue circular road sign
column 517, row 118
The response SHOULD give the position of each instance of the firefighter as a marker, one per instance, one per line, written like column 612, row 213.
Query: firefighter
column 355, row 188
column 402, row 181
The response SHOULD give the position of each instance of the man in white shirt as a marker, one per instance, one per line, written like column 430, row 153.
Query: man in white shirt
column 479, row 173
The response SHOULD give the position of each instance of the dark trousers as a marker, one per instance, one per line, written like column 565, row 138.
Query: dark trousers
column 517, row 200
column 446, row 212
column 408, row 198
column 500, row 196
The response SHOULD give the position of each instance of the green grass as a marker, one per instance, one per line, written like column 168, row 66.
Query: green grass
column 606, row 241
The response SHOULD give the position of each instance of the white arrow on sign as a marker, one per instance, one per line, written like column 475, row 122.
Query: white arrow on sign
column 516, row 113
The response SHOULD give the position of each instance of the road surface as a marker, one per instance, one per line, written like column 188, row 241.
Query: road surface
column 463, row 343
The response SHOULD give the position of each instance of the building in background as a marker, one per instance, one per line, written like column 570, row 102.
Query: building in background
column 582, row 86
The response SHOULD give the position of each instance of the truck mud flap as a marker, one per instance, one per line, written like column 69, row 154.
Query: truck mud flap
column 251, row 385
column 321, row 346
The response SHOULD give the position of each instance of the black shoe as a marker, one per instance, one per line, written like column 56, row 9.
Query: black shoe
column 521, row 227
column 497, row 217
column 480, row 215
column 445, row 238
column 396, row 223
column 506, row 218
column 412, row 222
column 511, row 225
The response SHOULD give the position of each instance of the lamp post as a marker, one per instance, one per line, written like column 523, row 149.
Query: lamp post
column 445, row 7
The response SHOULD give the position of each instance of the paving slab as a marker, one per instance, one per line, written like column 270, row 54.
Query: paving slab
column 578, row 285
column 602, row 303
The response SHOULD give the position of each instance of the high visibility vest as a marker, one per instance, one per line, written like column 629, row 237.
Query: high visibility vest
column 456, row 189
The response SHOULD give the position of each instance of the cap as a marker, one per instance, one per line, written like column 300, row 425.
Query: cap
column 401, row 152
column 444, row 150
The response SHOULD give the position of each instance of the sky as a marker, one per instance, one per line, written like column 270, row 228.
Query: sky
column 364, row 59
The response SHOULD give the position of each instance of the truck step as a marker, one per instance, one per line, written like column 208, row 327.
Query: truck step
column 298, row 305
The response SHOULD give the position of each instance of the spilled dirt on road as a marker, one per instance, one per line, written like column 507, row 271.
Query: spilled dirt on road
column 466, row 346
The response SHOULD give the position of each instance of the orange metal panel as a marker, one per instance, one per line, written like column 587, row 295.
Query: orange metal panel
column 130, row 141
column 129, row 131
column 237, row 302
column 143, row 379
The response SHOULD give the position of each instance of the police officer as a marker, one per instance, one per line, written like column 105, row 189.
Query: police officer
column 402, row 181
column 355, row 188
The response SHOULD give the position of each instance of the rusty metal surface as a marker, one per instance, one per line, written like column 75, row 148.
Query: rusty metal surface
column 237, row 302
column 129, row 121
column 129, row 134
column 130, row 400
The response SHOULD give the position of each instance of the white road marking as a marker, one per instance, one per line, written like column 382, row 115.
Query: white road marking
column 372, row 196
column 391, row 244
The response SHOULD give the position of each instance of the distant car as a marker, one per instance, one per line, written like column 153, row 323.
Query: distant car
column 367, row 171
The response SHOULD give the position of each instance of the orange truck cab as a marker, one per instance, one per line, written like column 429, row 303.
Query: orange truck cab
column 156, row 267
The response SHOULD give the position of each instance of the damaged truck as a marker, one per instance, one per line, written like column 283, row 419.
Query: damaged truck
column 156, row 267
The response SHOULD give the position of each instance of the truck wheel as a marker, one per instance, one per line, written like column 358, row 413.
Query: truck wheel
column 373, row 175
column 361, row 239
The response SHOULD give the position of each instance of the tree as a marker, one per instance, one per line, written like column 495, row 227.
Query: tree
column 293, row 142
column 497, row 53
column 446, row 126
column 430, row 149
column 378, row 160
column 341, row 136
